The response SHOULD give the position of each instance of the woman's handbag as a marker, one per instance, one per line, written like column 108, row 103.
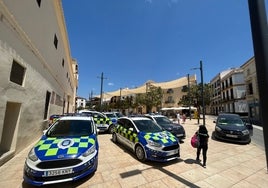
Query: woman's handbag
column 195, row 141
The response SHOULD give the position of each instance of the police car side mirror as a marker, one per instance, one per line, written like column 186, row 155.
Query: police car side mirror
column 44, row 131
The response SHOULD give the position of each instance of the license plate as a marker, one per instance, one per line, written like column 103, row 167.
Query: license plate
column 178, row 135
column 173, row 152
column 232, row 136
column 58, row 172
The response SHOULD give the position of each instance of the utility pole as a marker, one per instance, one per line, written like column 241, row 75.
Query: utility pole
column 189, row 96
column 259, row 32
column 91, row 98
column 101, row 91
column 120, row 99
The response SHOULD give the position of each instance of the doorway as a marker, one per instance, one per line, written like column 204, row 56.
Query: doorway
column 8, row 134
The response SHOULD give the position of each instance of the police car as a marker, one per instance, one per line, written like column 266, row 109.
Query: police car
column 67, row 151
column 113, row 116
column 167, row 124
column 146, row 139
column 103, row 123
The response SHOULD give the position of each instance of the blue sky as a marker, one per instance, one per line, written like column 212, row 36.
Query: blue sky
column 133, row 41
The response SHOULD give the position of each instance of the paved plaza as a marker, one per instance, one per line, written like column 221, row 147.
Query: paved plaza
column 228, row 165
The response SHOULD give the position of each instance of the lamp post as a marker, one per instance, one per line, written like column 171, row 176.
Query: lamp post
column 202, row 91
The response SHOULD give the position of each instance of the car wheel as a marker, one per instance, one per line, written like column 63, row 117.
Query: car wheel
column 140, row 154
column 111, row 129
column 114, row 138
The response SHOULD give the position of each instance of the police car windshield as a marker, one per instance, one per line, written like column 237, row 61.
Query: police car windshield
column 147, row 126
column 65, row 128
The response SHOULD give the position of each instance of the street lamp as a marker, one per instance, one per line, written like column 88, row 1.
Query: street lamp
column 202, row 91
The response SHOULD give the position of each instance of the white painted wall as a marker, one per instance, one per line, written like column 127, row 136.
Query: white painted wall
column 27, row 35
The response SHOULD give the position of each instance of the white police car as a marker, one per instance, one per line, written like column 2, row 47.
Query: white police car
column 146, row 139
column 103, row 123
column 67, row 151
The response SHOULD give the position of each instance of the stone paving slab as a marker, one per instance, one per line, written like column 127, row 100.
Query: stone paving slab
column 228, row 165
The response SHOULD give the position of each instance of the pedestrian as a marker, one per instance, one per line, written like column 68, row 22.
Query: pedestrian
column 203, row 144
column 179, row 118
column 183, row 118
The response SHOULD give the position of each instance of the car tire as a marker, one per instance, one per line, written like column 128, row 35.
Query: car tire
column 140, row 153
column 111, row 129
column 114, row 138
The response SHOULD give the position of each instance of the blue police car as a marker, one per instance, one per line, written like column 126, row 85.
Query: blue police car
column 67, row 151
column 146, row 139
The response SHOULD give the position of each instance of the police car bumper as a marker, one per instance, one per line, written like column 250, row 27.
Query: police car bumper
column 103, row 128
column 161, row 155
column 41, row 176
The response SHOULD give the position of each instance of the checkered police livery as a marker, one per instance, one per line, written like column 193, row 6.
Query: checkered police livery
column 67, row 151
column 133, row 137
column 103, row 123
column 164, row 137
column 146, row 139
column 51, row 148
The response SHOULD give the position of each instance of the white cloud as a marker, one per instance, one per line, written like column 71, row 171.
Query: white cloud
column 110, row 84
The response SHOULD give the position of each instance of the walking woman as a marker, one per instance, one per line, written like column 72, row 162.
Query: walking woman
column 203, row 139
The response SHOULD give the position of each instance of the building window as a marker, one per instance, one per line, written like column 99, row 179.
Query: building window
column 231, row 81
column 62, row 63
column 48, row 95
column 184, row 88
column 38, row 2
column 250, row 89
column 170, row 99
column 170, row 91
column 248, row 72
column 232, row 93
column 55, row 41
column 17, row 73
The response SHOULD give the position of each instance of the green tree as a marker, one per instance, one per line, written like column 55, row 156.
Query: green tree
column 153, row 98
column 194, row 97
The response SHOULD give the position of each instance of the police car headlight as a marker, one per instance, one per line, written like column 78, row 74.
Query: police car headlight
column 245, row 132
column 32, row 156
column 154, row 144
column 90, row 151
